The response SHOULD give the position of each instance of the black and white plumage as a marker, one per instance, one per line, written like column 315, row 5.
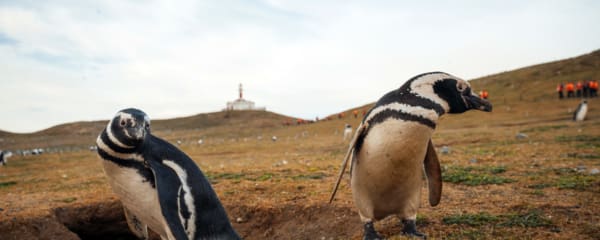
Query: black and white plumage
column 4, row 155
column 581, row 111
column 392, row 146
column 160, row 186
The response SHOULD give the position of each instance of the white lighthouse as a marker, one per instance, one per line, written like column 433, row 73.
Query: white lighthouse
column 241, row 103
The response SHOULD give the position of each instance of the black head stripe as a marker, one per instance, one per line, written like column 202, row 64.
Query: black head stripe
column 130, row 163
column 113, row 146
column 399, row 115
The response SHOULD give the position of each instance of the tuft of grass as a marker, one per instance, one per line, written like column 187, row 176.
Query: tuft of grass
column 577, row 138
column 576, row 182
column 473, row 177
column 539, row 186
column 474, row 220
column 314, row 176
column 497, row 169
column 7, row 184
column 265, row 177
column 544, row 128
column 532, row 218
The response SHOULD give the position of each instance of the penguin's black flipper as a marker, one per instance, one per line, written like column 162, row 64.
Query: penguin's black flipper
column 359, row 133
column 434, row 175
column 165, row 179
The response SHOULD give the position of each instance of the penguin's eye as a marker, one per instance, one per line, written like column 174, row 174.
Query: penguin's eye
column 461, row 87
column 123, row 122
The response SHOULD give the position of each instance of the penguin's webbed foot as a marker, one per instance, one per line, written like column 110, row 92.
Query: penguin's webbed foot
column 410, row 229
column 370, row 233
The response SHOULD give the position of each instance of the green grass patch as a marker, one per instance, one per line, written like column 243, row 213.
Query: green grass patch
column 474, row 220
column 544, row 128
column 576, row 182
column 472, row 176
column 532, row 218
column 577, row 138
column 313, row 176
column 497, row 169
column 265, row 177
column 7, row 184
column 539, row 185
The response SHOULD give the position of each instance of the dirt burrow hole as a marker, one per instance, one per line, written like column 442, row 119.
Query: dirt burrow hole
column 325, row 221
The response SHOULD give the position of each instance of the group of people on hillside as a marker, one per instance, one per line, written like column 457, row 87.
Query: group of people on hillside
column 578, row 90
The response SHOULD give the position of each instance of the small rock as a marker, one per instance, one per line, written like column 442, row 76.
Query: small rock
column 64, row 176
column 594, row 171
column 239, row 220
column 284, row 162
column 521, row 136
column 580, row 168
column 473, row 160
column 445, row 150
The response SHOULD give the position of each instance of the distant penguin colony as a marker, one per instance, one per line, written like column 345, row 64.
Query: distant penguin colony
column 393, row 144
column 581, row 111
column 161, row 187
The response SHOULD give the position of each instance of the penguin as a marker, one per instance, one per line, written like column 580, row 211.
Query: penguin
column 580, row 112
column 161, row 188
column 392, row 146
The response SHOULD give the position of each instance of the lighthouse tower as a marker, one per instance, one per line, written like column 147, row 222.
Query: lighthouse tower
column 241, row 103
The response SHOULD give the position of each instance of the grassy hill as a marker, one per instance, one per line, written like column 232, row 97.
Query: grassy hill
column 80, row 135
column 538, row 83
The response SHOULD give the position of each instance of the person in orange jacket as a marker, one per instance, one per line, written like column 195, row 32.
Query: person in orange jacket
column 570, row 90
column 593, row 88
column 579, row 87
column 559, row 89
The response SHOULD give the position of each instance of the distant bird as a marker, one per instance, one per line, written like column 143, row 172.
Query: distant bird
column 274, row 138
column 160, row 186
column 580, row 112
column 393, row 144
column 347, row 132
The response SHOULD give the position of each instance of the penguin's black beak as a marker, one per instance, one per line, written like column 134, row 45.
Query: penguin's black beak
column 475, row 102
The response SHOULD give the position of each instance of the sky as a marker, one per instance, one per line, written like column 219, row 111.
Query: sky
column 75, row 60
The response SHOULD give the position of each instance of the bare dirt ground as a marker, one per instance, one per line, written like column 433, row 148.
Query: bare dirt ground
column 496, row 185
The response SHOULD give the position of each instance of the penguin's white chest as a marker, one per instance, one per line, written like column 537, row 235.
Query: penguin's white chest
column 580, row 116
column 388, row 174
column 136, row 195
